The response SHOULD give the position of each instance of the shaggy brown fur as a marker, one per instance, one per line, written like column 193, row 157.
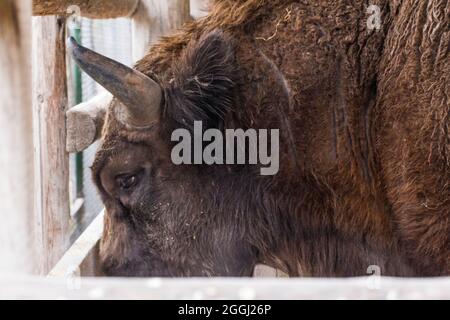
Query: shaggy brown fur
column 364, row 164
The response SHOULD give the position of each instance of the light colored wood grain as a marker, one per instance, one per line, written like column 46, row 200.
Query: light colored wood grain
column 17, row 224
column 85, row 122
column 52, row 160
column 154, row 19
column 83, row 249
column 94, row 9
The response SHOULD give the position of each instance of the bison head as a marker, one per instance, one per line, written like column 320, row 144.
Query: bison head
column 163, row 219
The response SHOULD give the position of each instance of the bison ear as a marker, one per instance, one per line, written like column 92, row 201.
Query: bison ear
column 202, row 86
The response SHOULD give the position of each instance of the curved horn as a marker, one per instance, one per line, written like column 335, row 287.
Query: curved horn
column 141, row 96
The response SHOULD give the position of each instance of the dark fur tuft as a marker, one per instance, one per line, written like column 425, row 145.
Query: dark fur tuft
column 202, row 87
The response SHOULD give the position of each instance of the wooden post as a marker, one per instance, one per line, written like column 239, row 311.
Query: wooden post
column 85, row 122
column 94, row 9
column 52, row 161
column 156, row 18
column 17, row 254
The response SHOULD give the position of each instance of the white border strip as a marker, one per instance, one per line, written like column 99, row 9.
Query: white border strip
column 224, row 288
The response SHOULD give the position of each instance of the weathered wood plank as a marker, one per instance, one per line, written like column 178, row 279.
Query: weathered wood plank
column 154, row 19
column 221, row 288
column 17, row 226
column 52, row 161
column 94, row 9
column 85, row 122
column 82, row 250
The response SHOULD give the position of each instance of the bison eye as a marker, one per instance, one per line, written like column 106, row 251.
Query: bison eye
column 125, row 182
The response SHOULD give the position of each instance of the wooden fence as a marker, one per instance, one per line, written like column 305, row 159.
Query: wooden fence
column 34, row 231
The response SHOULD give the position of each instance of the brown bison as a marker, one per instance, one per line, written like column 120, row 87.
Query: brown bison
column 364, row 125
